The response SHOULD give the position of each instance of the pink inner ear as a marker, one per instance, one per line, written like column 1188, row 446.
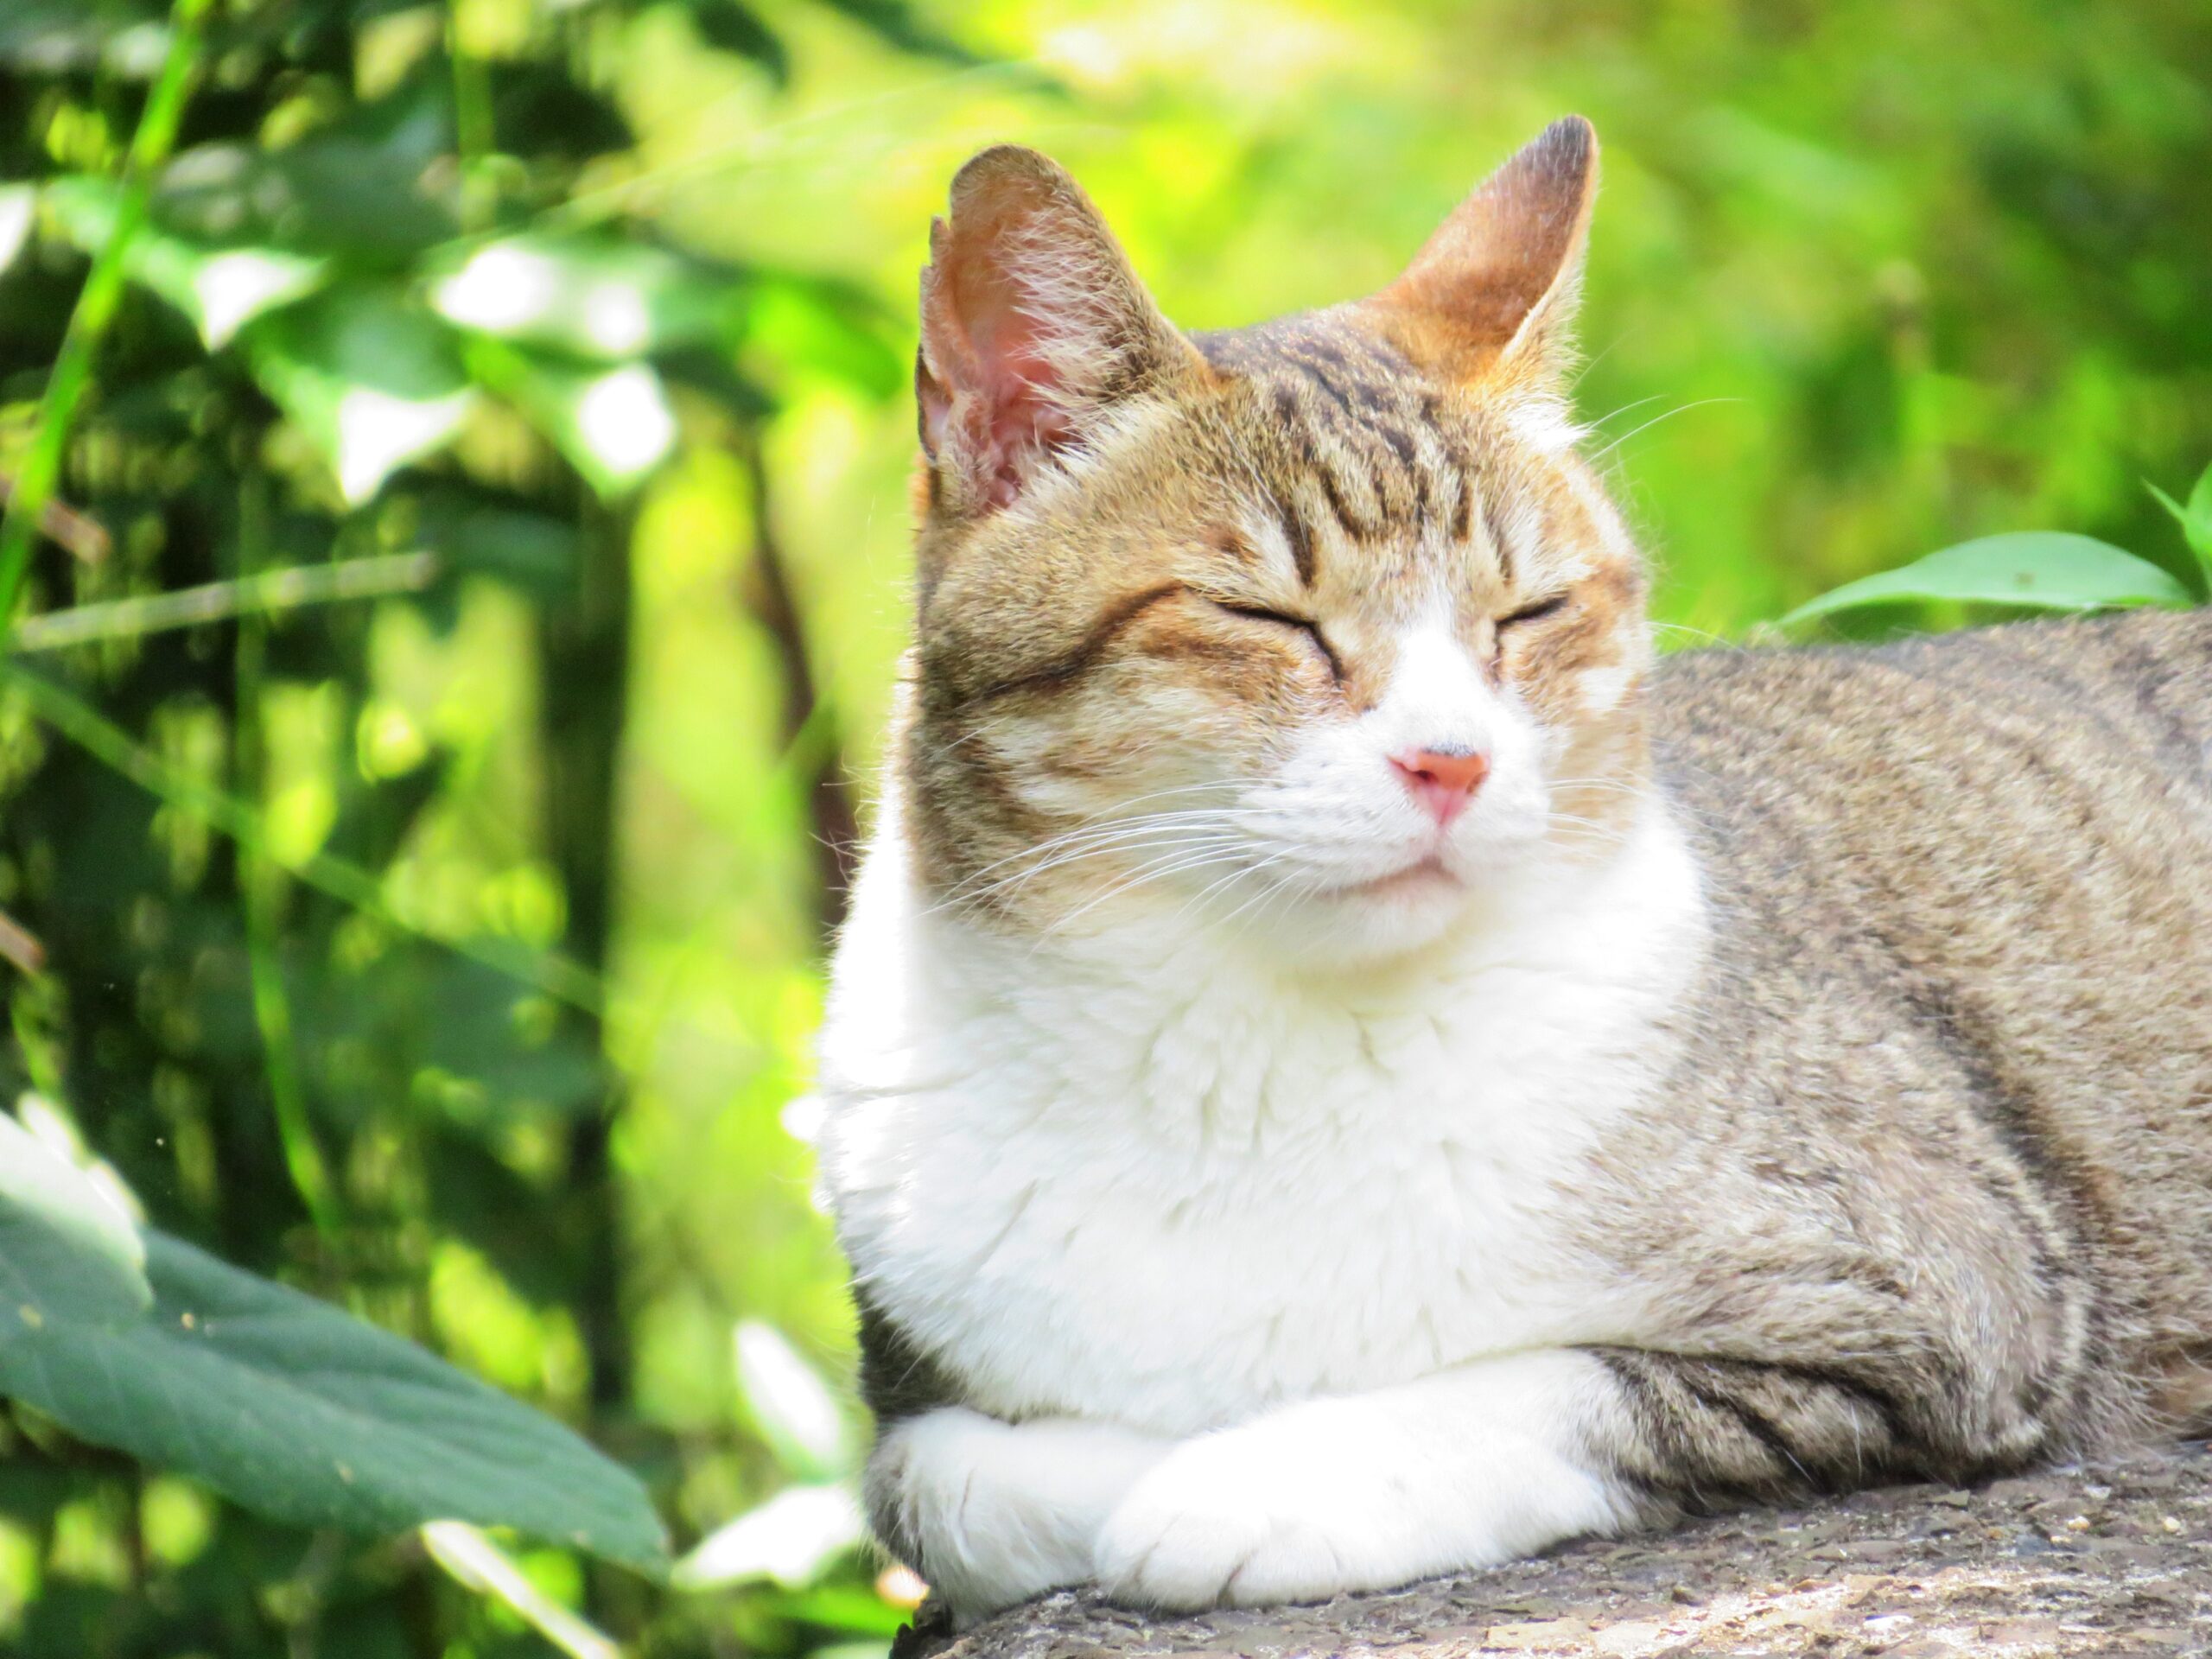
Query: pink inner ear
column 1016, row 380
column 986, row 385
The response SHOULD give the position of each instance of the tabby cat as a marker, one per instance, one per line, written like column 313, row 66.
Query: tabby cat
column 1344, row 1067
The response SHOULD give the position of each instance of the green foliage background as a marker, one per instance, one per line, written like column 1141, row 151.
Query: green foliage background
column 494, row 1029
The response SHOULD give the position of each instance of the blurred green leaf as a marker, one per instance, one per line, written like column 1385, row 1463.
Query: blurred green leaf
column 598, row 299
column 371, row 380
column 288, row 1406
column 895, row 23
column 358, row 195
column 820, row 329
column 839, row 1607
column 2195, row 519
column 67, row 1252
column 220, row 288
column 790, row 1540
column 2047, row 571
column 790, row 1405
column 472, row 532
column 731, row 26
column 52, row 35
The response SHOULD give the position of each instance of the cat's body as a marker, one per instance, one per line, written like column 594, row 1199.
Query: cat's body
column 1509, row 1092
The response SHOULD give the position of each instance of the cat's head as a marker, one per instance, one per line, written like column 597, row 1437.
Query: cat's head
column 1318, row 629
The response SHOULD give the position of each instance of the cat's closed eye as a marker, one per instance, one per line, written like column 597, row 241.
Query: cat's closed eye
column 1535, row 612
column 1284, row 619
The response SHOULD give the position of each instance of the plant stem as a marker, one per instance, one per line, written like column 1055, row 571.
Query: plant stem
column 473, row 136
column 95, row 308
column 260, row 892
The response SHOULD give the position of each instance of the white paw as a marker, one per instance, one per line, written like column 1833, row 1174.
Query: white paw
column 1222, row 1521
column 998, row 1512
column 1359, row 1493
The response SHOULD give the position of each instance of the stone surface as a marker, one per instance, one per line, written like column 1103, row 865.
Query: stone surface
column 2112, row 1558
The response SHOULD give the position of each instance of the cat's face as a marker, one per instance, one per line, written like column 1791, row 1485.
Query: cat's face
column 1318, row 630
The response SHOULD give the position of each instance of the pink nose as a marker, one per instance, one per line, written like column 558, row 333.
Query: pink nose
column 1442, row 782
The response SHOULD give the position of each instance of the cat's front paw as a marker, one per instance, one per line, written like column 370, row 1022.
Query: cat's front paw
column 995, row 1513
column 1358, row 1493
column 1224, row 1521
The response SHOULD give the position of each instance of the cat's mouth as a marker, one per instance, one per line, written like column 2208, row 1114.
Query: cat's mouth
column 1423, row 877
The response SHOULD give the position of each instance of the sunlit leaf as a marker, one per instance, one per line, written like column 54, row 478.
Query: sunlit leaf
column 292, row 1409
column 18, row 207
column 792, row 1405
column 615, row 425
column 597, row 299
column 790, row 1540
column 67, row 1251
column 220, row 288
column 2045, row 570
column 374, row 382
column 483, row 1566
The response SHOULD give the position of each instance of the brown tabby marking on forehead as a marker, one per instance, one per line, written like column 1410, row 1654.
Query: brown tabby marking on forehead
column 1359, row 424
column 1501, row 549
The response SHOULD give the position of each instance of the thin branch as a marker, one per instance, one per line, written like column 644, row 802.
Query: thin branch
column 67, row 528
column 108, row 743
column 18, row 945
column 807, row 717
column 269, row 591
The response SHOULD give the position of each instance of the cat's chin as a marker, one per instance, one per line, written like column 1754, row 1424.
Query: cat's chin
column 1364, row 922
column 1427, row 880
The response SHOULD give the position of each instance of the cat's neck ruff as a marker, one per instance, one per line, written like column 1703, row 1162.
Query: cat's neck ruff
column 1257, row 1185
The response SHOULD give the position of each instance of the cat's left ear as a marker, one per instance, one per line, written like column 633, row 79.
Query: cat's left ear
column 1035, row 327
column 1497, row 285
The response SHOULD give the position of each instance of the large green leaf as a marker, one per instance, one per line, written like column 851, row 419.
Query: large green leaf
column 67, row 1251
column 2044, row 570
column 300, row 1413
column 374, row 381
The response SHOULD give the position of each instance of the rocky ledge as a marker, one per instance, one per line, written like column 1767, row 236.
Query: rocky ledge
column 2115, row 1558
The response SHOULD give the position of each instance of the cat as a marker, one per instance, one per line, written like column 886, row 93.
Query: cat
column 1345, row 1067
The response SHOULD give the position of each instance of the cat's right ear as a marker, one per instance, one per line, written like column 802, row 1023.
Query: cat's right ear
column 1497, row 286
column 1033, row 326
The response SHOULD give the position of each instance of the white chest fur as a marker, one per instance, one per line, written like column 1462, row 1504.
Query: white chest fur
column 1149, row 1183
